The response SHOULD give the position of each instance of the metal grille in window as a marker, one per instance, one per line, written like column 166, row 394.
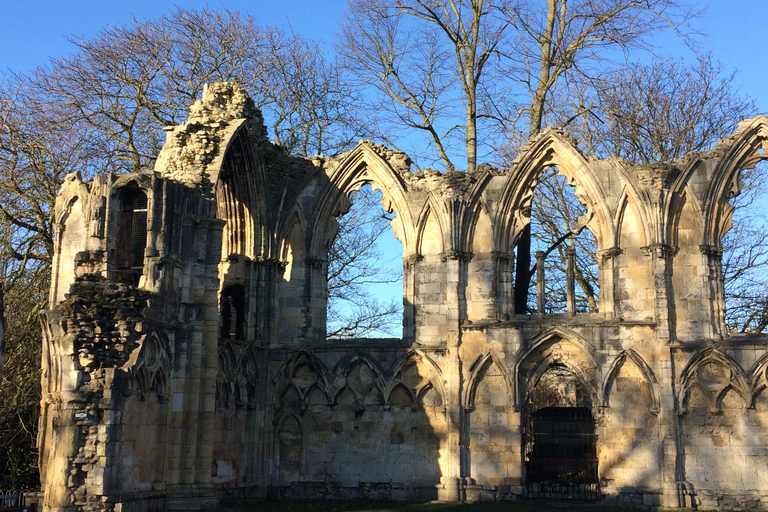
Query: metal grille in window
column 233, row 312
column 561, row 455
column 138, row 231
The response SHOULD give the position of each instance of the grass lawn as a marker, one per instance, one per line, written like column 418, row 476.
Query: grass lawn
column 400, row 506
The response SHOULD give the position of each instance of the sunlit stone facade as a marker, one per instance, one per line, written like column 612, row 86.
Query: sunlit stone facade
column 185, row 357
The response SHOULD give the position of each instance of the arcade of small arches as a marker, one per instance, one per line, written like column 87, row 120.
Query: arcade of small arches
column 218, row 379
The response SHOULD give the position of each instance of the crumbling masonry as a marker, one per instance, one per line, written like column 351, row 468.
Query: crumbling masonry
column 185, row 357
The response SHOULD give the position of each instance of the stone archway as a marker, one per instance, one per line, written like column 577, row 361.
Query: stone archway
column 560, row 440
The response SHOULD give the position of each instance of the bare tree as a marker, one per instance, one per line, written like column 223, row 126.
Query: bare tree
column 441, row 66
column 427, row 60
column 130, row 81
column 658, row 113
column 356, row 266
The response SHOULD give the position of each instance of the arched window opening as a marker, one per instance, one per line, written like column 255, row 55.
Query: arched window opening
column 365, row 272
column 561, row 275
column 745, row 255
column 560, row 441
column 130, row 235
column 235, row 200
column 232, row 312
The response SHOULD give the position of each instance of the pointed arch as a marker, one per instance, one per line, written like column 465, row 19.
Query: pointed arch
column 629, row 200
column 476, row 373
column 758, row 379
column 239, row 189
column 714, row 373
column 552, row 148
column 130, row 215
column 360, row 166
column 738, row 152
column 345, row 365
column 293, row 244
column 292, row 374
column 151, row 367
column 534, row 361
column 645, row 370
column 433, row 377
column 430, row 229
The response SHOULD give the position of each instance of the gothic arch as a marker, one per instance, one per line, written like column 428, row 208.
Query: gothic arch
column 552, row 148
column 543, row 351
column 345, row 365
column 758, row 379
column 359, row 167
column 129, row 219
column 630, row 200
column 240, row 191
column 432, row 377
column 740, row 151
column 714, row 373
column 302, row 371
column 474, row 215
column 477, row 372
column 647, row 371
column 429, row 215
column 151, row 368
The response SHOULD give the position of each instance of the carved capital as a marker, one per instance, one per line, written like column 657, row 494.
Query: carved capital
column 412, row 259
column 711, row 250
column 456, row 255
column 315, row 263
column 608, row 254
column 662, row 251
column 271, row 262
column 500, row 255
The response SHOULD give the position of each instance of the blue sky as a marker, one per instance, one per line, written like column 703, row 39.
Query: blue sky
column 31, row 31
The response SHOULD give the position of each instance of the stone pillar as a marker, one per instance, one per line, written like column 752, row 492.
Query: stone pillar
column 540, row 283
column 714, row 256
column 664, row 304
column 502, row 285
column 570, row 292
column 609, row 275
column 451, row 479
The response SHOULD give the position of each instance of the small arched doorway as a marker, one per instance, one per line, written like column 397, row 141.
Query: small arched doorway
column 560, row 441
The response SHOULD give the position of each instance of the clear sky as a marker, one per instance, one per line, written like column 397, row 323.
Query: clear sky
column 31, row 31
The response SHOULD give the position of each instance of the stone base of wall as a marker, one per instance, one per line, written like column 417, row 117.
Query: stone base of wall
column 491, row 493
column 154, row 504
column 638, row 499
column 242, row 493
column 719, row 500
column 363, row 490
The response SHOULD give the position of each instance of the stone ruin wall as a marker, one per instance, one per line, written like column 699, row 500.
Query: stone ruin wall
column 201, row 370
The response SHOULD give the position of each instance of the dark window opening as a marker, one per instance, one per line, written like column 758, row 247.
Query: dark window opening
column 131, row 236
column 561, row 454
column 232, row 311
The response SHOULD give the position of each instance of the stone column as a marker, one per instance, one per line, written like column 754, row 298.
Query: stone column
column 455, row 272
column 570, row 292
column 714, row 256
column 540, row 283
column 502, row 286
column 664, row 304
column 609, row 275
